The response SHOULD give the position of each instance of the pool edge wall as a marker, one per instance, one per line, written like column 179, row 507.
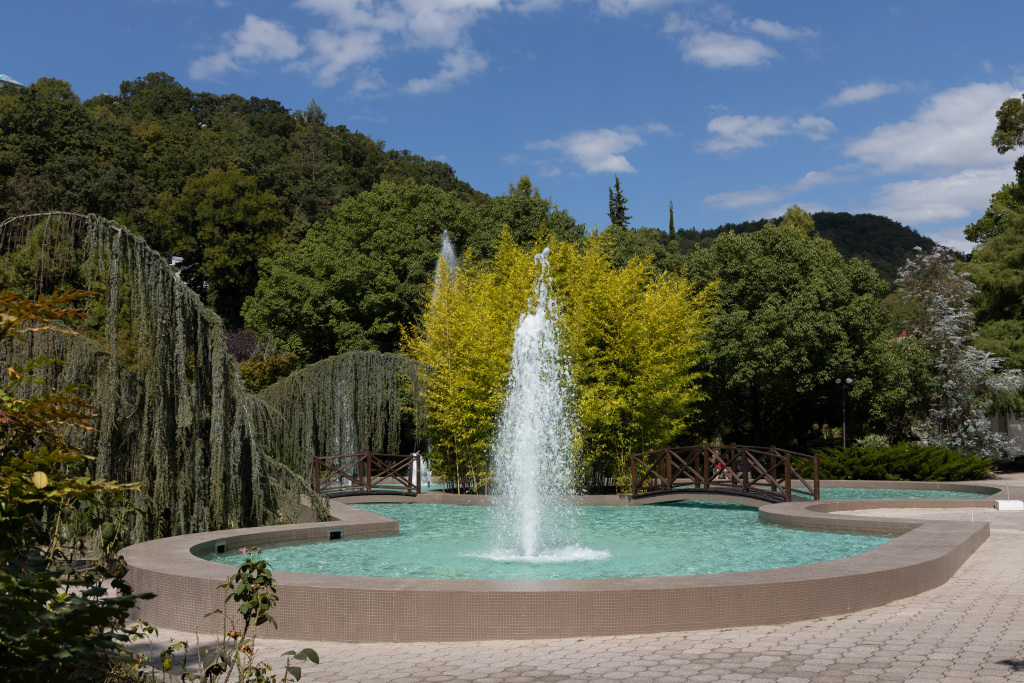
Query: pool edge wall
column 924, row 555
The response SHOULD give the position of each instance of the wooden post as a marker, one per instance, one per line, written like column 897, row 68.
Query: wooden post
column 368, row 459
column 788, row 464
column 745, row 464
column 706, row 464
column 316, row 474
column 817, row 487
column 666, row 484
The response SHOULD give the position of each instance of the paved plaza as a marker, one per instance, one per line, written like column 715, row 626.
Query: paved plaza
column 969, row 629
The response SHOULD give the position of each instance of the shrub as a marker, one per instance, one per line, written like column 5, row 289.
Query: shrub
column 903, row 462
column 57, row 621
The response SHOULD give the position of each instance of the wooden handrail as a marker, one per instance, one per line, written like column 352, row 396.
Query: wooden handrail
column 758, row 472
column 367, row 473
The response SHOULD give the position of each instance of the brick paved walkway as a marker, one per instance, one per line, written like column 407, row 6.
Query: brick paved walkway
column 970, row 629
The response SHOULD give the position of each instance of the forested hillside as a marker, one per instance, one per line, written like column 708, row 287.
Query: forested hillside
column 880, row 241
column 218, row 180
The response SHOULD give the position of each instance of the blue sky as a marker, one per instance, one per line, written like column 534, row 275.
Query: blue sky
column 731, row 110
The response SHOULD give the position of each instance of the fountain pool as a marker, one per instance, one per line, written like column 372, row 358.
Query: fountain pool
column 613, row 541
column 919, row 556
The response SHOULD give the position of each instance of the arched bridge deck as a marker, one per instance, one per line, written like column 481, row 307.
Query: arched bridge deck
column 767, row 474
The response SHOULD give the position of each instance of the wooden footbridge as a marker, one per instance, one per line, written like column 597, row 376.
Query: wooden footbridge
column 359, row 474
column 769, row 474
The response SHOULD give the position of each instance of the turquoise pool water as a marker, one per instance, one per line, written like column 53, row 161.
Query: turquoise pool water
column 828, row 493
column 670, row 539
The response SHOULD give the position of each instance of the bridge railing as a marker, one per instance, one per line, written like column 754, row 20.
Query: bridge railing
column 769, row 473
column 367, row 473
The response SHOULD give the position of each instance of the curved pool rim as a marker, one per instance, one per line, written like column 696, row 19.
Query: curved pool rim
column 924, row 555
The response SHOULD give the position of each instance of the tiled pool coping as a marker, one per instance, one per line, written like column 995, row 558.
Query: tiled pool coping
column 924, row 555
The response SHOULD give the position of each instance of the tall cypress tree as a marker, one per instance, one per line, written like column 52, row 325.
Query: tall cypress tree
column 617, row 206
column 671, row 220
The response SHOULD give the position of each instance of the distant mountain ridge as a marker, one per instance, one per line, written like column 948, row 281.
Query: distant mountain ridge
column 881, row 241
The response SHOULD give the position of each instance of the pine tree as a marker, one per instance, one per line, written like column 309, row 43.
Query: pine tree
column 671, row 220
column 617, row 206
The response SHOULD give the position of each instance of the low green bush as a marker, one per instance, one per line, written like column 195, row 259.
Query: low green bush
column 902, row 462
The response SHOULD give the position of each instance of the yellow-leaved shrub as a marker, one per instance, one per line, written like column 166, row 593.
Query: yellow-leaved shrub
column 632, row 339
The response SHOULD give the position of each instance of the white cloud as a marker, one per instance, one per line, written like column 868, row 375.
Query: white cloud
column 741, row 198
column 335, row 54
column 442, row 23
column 861, row 93
column 778, row 30
column 951, row 129
column 743, row 132
column 662, row 128
column 723, row 50
column 952, row 238
column 212, row 66
column 259, row 40
column 421, row 23
column 369, row 81
column 597, row 151
column 620, row 8
column 359, row 32
column 772, row 193
column 815, row 178
column 748, row 132
column 676, row 24
column 960, row 196
column 814, row 127
column 256, row 40
column 455, row 66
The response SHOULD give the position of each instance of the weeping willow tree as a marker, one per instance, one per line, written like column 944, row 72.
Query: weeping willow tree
column 633, row 338
column 173, row 412
column 349, row 403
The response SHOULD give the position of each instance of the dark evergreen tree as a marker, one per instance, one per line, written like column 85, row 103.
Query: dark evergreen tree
column 617, row 206
column 671, row 221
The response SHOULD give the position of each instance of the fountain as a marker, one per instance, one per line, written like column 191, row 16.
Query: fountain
column 447, row 261
column 516, row 584
column 532, row 457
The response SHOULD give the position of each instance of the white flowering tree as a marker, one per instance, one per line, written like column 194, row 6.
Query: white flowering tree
column 966, row 379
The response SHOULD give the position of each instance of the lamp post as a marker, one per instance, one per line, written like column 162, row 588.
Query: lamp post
column 845, row 385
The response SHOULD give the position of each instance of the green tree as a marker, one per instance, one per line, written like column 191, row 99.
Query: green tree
column 1006, row 208
column 617, row 206
column 221, row 225
column 526, row 215
column 646, row 244
column 633, row 336
column 352, row 282
column 799, row 220
column 966, row 379
column 1009, row 133
column 795, row 316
